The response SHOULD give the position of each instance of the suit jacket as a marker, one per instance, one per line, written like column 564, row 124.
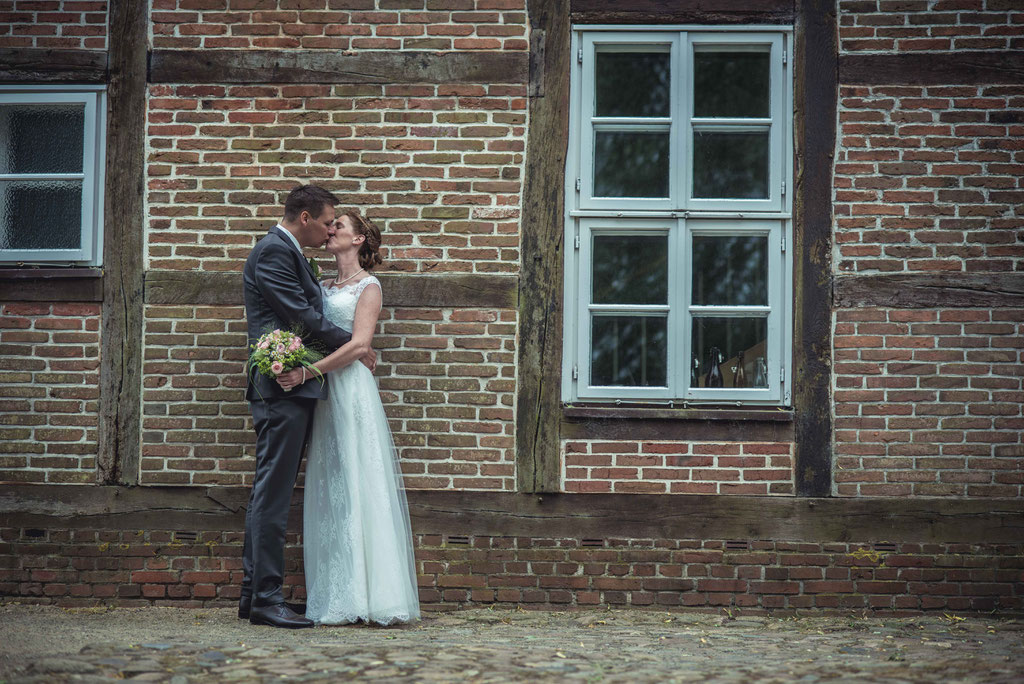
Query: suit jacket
column 281, row 293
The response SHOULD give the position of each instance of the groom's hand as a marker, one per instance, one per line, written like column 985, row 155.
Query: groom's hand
column 290, row 379
column 370, row 360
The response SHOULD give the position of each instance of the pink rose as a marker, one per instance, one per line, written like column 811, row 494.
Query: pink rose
column 280, row 349
column 277, row 368
column 264, row 344
column 294, row 345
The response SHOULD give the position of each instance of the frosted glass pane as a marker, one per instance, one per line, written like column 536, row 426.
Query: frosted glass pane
column 629, row 351
column 633, row 84
column 41, row 138
column 630, row 269
column 40, row 214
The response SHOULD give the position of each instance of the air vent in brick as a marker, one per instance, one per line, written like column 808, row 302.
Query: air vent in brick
column 185, row 536
column 592, row 542
column 737, row 545
column 458, row 540
column 885, row 546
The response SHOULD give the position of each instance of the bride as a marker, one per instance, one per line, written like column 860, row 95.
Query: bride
column 357, row 539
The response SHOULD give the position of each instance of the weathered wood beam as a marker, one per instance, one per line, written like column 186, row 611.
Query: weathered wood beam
column 119, row 434
column 933, row 68
column 682, row 11
column 311, row 66
column 45, row 65
column 573, row 516
column 538, row 468
column 51, row 285
column 926, row 290
column 448, row 290
column 815, row 98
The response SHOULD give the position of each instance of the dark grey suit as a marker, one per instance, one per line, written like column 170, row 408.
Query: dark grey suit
column 280, row 293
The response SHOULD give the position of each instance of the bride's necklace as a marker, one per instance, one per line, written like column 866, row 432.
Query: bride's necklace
column 339, row 283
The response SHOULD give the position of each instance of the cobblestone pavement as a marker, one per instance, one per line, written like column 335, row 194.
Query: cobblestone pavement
column 177, row 645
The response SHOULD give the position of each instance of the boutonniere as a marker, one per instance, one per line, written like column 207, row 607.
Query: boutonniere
column 316, row 269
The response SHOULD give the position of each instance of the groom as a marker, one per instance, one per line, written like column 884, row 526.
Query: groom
column 281, row 292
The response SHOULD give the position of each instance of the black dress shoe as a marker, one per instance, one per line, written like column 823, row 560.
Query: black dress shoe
column 245, row 607
column 279, row 615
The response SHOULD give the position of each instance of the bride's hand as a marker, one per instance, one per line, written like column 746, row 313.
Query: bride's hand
column 370, row 360
column 291, row 379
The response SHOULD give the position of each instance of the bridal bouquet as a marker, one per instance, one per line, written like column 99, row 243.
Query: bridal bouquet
column 280, row 351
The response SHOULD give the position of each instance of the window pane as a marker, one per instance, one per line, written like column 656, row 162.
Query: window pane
column 730, row 270
column 730, row 165
column 729, row 352
column 633, row 84
column 40, row 214
column 630, row 269
column 629, row 351
column 731, row 84
column 41, row 138
column 630, row 164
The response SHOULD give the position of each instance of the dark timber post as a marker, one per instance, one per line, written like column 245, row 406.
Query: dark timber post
column 121, row 327
column 540, row 282
column 816, row 101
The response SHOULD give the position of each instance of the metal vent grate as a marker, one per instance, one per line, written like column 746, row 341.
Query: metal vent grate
column 737, row 544
column 592, row 542
column 33, row 532
column 885, row 546
column 186, row 536
column 458, row 540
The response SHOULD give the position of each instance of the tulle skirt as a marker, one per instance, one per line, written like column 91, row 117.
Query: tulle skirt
column 357, row 539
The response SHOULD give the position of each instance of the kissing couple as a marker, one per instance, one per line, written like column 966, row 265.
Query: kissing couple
column 357, row 540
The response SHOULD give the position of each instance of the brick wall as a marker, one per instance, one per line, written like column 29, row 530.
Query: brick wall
column 929, row 179
column 438, row 167
column 657, row 467
column 60, row 24
column 49, row 392
column 341, row 24
column 929, row 402
column 139, row 567
column 930, row 25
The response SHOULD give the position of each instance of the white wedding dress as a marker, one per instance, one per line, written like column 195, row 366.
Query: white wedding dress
column 357, row 538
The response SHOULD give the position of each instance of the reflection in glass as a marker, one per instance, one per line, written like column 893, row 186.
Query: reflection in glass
column 633, row 84
column 629, row 351
column 41, row 138
column 731, row 84
column 630, row 164
column 732, row 337
column 730, row 270
column 40, row 214
column 730, row 165
column 630, row 269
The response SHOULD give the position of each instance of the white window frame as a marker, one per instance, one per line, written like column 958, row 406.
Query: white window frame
column 679, row 216
column 93, row 98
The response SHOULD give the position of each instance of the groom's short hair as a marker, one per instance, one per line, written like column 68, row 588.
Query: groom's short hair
column 311, row 198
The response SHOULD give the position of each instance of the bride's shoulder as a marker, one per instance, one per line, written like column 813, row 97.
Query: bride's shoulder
column 370, row 279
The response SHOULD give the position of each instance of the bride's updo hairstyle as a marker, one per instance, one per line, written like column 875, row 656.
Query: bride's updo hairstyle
column 369, row 251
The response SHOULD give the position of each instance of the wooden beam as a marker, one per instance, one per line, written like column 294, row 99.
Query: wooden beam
column 560, row 516
column 448, row 290
column 121, row 327
column 815, row 99
column 312, row 66
column 927, row 290
column 933, row 68
column 682, row 11
column 538, row 468
column 51, row 285
column 45, row 65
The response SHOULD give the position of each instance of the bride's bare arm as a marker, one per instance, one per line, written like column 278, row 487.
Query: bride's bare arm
column 367, row 312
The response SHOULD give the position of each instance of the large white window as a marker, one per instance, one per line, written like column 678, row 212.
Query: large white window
column 51, row 174
column 677, row 279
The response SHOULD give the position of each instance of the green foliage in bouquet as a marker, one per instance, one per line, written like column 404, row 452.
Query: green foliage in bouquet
column 280, row 351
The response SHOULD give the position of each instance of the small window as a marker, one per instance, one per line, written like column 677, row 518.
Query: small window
column 51, row 175
column 678, row 281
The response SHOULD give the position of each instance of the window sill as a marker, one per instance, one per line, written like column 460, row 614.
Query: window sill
column 74, row 284
column 707, row 423
column 782, row 415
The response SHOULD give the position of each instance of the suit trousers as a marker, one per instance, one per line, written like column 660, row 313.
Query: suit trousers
column 282, row 428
